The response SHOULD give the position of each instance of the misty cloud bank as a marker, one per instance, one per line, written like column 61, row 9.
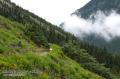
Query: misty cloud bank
column 105, row 26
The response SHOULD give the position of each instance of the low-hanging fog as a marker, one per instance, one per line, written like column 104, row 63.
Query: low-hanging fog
column 105, row 26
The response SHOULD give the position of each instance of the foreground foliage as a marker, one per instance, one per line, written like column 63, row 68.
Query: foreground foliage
column 54, row 65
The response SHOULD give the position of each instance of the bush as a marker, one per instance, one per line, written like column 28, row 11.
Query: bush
column 2, row 49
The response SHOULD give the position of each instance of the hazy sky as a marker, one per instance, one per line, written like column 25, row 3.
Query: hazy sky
column 55, row 11
column 58, row 11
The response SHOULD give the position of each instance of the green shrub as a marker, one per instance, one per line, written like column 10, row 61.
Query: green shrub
column 2, row 49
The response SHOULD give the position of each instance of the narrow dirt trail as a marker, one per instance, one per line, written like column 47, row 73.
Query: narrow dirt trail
column 42, row 51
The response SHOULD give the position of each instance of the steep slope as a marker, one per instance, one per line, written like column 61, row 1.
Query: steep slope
column 93, row 6
column 12, row 39
column 20, row 58
column 41, row 34
column 89, row 11
column 112, row 46
column 52, row 33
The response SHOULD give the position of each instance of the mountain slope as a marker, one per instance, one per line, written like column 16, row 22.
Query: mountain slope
column 17, row 52
column 93, row 6
column 52, row 33
column 39, row 35
column 89, row 11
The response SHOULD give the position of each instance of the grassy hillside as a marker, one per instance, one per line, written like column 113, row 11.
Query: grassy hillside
column 35, row 26
column 19, row 54
column 54, row 65
column 12, row 39
column 34, row 34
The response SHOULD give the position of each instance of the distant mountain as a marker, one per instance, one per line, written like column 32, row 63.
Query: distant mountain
column 94, row 39
column 88, row 11
column 93, row 6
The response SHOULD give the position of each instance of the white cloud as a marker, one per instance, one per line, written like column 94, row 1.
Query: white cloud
column 54, row 11
column 57, row 11
column 106, row 26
